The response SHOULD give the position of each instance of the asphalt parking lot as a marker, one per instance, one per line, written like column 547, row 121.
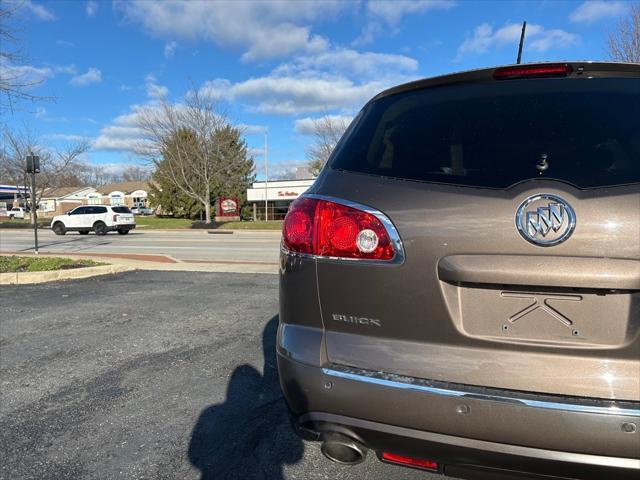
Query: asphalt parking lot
column 151, row 375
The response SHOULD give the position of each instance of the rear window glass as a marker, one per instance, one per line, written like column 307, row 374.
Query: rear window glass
column 121, row 209
column 99, row 210
column 584, row 131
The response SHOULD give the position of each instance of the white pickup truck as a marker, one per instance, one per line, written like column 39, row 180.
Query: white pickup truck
column 17, row 212
column 100, row 219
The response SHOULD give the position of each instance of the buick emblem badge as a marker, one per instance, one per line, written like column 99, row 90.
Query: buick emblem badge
column 545, row 220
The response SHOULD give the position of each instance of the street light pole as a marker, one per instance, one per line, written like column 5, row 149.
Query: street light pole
column 266, row 174
column 33, row 167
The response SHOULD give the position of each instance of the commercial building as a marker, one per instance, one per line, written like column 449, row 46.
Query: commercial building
column 56, row 201
column 131, row 194
column 11, row 196
column 59, row 200
column 279, row 195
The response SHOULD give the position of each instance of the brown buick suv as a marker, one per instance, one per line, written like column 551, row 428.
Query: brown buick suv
column 460, row 287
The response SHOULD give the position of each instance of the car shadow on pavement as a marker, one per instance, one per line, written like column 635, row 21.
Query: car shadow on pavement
column 249, row 436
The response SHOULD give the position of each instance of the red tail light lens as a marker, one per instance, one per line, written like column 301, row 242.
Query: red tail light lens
column 410, row 461
column 533, row 71
column 297, row 231
column 329, row 229
column 115, row 218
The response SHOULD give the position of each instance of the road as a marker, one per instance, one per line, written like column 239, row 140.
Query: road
column 151, row 375
column 187, row 245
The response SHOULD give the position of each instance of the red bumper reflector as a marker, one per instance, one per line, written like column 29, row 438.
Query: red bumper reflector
column 533, row 71
column 410, row 461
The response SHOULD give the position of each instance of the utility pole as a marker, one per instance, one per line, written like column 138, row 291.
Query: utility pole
column 266, row 174
column 33, row 167
column 524, row 28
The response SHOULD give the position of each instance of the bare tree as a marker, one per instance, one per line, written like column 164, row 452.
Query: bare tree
column 327, row 131
column 135, row 174
column 94, row 175
column 624, row 43
column 189, row 145
column 54, row 164
column 15, row 80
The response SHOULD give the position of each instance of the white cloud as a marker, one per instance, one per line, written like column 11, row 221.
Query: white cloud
column 32, row 76
column 538, row 39
column 37, row 10
column 117, row 169
column 341, row 79
column 283, row 170
column 91, row 8
column 124, row 88
column 287, row 95
column 27, row 74
column 392, row 11
column 170, row 49
column 68, row 137
column 594, row 10
column 122, row 135
column 68, row 69
column 351, row 63
column 263, row 30
column 153, row 89
column 93, row 75
column 307, row 126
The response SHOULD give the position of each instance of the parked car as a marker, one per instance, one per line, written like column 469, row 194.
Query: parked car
column 142, row 211
column 460, row 287
column 16, row 212
column 100, row 219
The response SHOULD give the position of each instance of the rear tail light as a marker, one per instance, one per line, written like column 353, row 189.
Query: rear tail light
column 115, row 218
column 325, row 228
column 410, row 461
column 533, row 71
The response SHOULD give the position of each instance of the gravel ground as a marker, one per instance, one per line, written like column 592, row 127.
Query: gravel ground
column 154, row 375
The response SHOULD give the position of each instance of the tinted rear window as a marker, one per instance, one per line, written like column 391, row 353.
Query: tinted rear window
column 494, row 134
column 121, row 209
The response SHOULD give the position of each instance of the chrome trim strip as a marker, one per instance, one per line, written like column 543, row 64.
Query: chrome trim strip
column 485, row 446
column 461, row 391
column 397, row 259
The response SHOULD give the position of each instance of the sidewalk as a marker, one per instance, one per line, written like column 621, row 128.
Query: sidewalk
column 165, row 262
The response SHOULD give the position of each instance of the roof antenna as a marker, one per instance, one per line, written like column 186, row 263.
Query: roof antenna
column 524, row 28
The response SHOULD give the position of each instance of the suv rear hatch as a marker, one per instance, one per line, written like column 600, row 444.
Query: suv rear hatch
column 477, row 301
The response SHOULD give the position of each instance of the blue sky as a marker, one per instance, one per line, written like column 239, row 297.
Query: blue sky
column 275, row 64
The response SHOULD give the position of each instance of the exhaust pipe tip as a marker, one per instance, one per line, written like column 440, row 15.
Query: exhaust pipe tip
column 341, row 449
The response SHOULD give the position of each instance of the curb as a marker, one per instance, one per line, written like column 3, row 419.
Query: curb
column 23, row 278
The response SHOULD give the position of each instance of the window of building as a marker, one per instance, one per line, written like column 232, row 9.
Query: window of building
column 116, row 199
column 94, row 200
column 140, row 202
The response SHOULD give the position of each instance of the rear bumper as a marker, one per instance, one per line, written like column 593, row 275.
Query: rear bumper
column 122, row 226
column 469, row 434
